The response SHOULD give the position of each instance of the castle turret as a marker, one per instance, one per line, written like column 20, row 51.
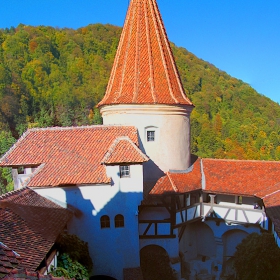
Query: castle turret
column 145, row 90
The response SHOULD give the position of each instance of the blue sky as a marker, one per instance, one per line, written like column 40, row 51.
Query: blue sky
column 240, row 37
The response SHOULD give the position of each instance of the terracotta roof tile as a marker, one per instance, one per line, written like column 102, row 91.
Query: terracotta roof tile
column 23, row 273
column 30, row 224
column 123, row 150
column 144, row 70
column 70, row 155
column 243, row 177
column 8, row 260
column 235, row 177
column 180, row 181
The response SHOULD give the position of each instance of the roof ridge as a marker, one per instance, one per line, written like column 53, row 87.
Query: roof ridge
column 114, row 144
column 55, row 128
column 15, row 145
column 13, row 192
column 159, row 20
column 33, row 174
column 267, row 195
column 171, row 181
column 241, row 160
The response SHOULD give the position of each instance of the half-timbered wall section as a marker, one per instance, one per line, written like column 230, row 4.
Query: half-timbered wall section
column 176, row 210
column 159, row 223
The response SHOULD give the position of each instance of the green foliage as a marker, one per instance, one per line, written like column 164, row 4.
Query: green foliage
column 76, row 249
column 257, row 257
column 6, row 141
column 6, row 181
column 69, row 269
column 55, row 77
column 230, row 119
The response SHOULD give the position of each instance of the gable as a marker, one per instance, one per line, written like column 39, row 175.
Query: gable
column 123, row 150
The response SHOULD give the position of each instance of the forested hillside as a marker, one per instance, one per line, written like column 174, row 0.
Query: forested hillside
column 55, row 77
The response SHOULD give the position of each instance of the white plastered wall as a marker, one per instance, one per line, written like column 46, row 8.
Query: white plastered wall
column 111, row 249
column 171, row 148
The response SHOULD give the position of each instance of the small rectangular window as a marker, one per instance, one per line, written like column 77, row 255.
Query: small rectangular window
column 239, row 200
column 124, row 171
column 150, row 135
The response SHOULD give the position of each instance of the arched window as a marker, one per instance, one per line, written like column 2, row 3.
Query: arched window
column 119, row 221
column 105, row 221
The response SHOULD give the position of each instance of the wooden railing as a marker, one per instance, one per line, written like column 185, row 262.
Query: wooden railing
column 231, row 213
column 180, row 216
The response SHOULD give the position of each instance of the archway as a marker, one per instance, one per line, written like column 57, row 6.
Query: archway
column 205, row 241
column 155, row 263
column 231, row 239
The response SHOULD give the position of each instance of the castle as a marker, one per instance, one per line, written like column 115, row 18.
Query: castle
column 133, row 179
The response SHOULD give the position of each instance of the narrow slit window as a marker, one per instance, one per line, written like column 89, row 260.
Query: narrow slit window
column 124, row 171
column 150, row 135
column 119, row 221
column 239, row 200
column 105, row 221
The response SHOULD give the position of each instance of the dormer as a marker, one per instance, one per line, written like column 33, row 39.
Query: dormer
column 124, row 164
column 22, row 175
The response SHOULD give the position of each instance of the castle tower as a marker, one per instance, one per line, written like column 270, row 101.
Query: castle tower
column 145, row 90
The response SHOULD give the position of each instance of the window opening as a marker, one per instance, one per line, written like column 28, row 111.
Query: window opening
column 124, row 171
column 150, row 135
column 239, row 200
column 105, row 221
column 20, row 170
column 119, row 221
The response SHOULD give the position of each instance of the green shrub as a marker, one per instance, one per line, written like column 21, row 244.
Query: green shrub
column 257, row 258
column 69, row 269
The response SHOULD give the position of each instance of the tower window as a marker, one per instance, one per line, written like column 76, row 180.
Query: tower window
column 124, row 171
column 119, row 221
column 105, row 221
column 150, row 135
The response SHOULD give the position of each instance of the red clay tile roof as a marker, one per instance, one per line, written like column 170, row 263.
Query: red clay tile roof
column 25, row 274
column 236, row 177
column 123, row 150
column 30, row 224
column 179, row 181
column 242, row 177
column 271, row 200
column 144, row 70
column 70, row 155
column 8, row 260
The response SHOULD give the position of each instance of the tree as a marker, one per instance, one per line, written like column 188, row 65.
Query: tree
column 69, row 269
column 257, row 257
column 6, row 181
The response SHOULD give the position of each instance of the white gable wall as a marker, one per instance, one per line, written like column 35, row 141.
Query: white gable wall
column 111, row 249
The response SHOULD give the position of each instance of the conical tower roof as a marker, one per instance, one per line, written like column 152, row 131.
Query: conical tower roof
column 144, row 70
